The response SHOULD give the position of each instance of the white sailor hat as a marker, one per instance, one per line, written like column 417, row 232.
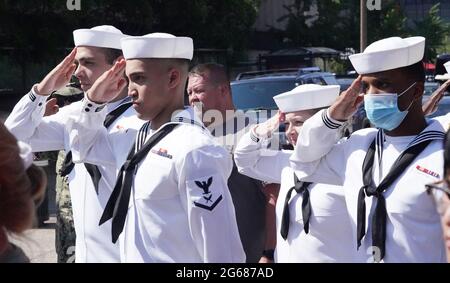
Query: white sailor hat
column 158, row 45
column 445, row 76
column 388, row 54
column 306, row 97
column 100, row 36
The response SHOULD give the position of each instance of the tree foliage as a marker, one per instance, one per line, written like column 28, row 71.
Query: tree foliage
column 337, row 25
column 434, row 29
column 38, row 31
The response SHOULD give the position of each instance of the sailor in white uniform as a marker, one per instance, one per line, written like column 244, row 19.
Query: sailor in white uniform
column 171, row 202
column 90, row 186
column 383, row 171
column 312, row 221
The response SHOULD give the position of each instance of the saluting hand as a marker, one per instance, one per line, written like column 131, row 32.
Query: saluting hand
column 268, row 127
column 108, row 85
column 59, row 76
column 432, row 104
column 348, row 102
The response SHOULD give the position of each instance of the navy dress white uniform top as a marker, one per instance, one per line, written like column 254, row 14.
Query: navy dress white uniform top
column 384, row 177
column 329, row 237
column 413, row 229
column 27, row 123
column 319, row 228
column 180, row 209
column 50, row 133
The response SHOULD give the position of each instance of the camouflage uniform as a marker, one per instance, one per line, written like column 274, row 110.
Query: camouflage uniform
column 65, row 231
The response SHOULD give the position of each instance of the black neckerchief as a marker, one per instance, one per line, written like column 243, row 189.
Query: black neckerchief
column 301, row 188
column 379, row 218
column 92, row 169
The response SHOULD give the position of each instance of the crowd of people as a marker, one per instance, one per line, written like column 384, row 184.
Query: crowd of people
column 147, row 178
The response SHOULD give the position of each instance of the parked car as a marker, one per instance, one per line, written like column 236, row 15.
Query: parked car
column 253, row 92
column 345, row 83
column 443, row 108
column 430, row 87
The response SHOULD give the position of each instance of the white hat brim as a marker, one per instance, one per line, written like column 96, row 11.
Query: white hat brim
column 158, row 47
column 389, row 59
column 447, row 66
column 298, row 100
column 444, row 77
column 96, row 38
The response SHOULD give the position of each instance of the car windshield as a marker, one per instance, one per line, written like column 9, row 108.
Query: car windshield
column 330, row 80
column 259, row 94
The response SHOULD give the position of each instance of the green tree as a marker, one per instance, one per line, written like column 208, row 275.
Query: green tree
column 213, row 24
column 30, row 32
column 37, row 32
column 337, row 23
column 434, row 29
column 389, row 21
column 297, row 31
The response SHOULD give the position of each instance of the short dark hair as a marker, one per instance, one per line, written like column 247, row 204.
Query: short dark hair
column 415, row 71
column 216, row 73
column 111, row 54
column 179, row 62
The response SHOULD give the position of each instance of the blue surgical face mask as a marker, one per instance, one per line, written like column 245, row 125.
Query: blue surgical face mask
column 382, row 109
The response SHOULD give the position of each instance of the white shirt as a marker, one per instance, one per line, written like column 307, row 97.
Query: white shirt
column 414, row 233
column 49, row 133
column 329, row 238
column 164, row 221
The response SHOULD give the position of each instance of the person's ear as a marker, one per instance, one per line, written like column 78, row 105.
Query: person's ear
column 223, row 89
column 117, row 60
column 174, row 78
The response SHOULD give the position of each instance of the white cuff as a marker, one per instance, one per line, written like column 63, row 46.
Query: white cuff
column 254, row 136
column 34, row 97
column 90, row 106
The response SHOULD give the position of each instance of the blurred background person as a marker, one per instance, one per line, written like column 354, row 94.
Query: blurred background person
column 209, row 92
column 22, row 186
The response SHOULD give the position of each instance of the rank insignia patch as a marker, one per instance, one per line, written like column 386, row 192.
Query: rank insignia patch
column 207, row 201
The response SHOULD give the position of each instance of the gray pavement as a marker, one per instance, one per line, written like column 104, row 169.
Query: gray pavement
column 39, row 243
